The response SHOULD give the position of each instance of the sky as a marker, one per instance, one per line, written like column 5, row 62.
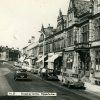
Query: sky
column 21, row 19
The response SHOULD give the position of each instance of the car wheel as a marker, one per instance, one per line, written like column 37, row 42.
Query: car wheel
column 62, row 83
column 68, row 85
column 15, row 78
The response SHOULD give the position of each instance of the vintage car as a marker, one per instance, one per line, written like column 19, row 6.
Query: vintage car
column 35, row 70
column 20, row 74
column 17, row 65
column 72, row 79
column 50, row 75
column 27, row 65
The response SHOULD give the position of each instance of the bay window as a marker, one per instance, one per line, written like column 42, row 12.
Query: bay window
column 85, row 33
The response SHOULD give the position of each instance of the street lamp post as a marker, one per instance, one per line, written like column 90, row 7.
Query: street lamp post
column 43, row 45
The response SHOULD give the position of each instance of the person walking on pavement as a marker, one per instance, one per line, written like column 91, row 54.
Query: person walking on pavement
column 43, row 72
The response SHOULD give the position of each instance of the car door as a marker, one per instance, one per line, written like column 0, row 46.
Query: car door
column 67, row 78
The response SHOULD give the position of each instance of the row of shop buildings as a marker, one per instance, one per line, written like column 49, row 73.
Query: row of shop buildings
column 74, row 45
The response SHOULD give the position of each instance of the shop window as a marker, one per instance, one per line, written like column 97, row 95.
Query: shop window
column 70, row 17
column 97, row 60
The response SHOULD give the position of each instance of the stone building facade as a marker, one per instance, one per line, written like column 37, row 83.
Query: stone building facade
column 81, row 54
column 95, row 41
column 54, row 44
column 74, row 46
column 77, row 37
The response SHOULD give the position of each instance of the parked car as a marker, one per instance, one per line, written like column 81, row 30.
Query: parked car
column 35, row 70
column 71, row 79
column 20, row 74
column 27, row 65
column 17, row 65
column 51, row 77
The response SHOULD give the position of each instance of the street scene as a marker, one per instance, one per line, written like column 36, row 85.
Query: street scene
column 36, row 84
column 57, row 60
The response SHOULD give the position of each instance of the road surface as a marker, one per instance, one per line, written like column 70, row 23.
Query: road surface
column 8, row 84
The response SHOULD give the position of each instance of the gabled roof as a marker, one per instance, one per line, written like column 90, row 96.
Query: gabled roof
column 47, row 31
column 81, row 7
column 64, row 17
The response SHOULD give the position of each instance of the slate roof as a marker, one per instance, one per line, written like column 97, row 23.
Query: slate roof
column 81, row 7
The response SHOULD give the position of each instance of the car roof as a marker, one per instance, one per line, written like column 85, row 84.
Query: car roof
column 20, row 69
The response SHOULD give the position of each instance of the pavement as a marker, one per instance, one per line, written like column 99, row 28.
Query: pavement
column 91, row 88
column 95, row 89
column 4, row 85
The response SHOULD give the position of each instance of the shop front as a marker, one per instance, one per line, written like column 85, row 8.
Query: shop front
column 55, row 62
column 95, row 68
column 70, row 62
column 40, row 61
column 83, row 50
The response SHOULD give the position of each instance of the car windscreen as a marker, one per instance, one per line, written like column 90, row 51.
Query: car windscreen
column 74, row 75
column 22, row 70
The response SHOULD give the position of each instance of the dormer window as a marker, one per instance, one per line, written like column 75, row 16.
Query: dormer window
column 98, row 6
column 69, row 19
column 98, row 2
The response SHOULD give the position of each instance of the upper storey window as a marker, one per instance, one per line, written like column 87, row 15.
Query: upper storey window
column 97, row 29
column 85, row 33
column 70, row 37
column 69, row 19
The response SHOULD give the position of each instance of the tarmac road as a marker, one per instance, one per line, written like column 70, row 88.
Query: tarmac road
column 8, row 84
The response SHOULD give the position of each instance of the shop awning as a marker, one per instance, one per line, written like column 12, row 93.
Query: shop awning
column 22, row 58
column 51, row 59
column 27, row 60
column 32, row 57
column 39, row 60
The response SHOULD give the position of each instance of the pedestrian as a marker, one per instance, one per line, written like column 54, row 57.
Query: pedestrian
column 43, row 73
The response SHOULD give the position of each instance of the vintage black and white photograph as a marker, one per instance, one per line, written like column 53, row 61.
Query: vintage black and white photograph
column 49, row 49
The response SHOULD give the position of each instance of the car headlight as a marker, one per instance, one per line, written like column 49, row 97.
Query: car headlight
column 71, row 81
